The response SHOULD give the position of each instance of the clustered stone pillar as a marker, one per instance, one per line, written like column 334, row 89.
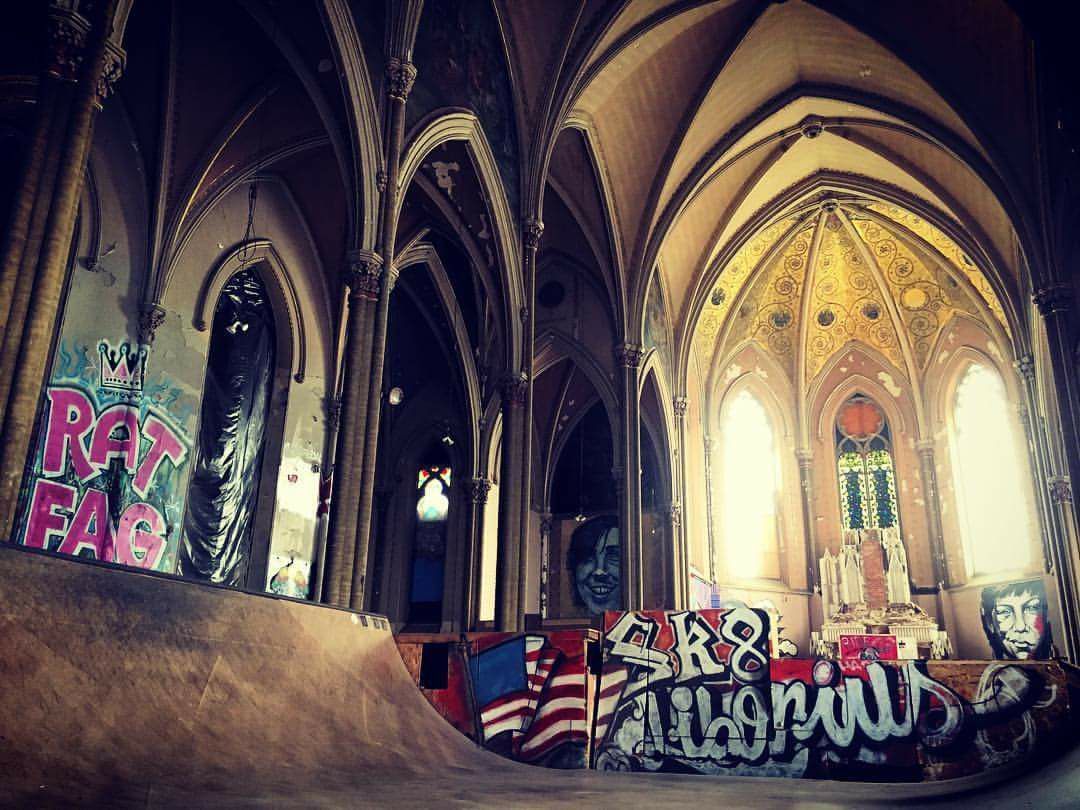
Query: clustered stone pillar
column 400, row 76
column 478, row 496
column 531, row 232
column 806, row 497
column 508, row 567
column 1054, row 531
column 628, row 360
column 928, row 470
column 682, row 566
column 362, row 279
column 34, row 264
column 545, row 563
column 710, row 519
column 1054, row 303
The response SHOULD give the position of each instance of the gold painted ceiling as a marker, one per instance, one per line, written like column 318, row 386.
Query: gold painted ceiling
column 864, row 273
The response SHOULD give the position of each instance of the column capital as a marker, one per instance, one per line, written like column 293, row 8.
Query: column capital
column 804, row 456
column 680, row 405
column 332, row 411
column 531, row 230
column 1053, row 299
column 1025, row 367
column 924, row 447
column 68, row 32
column 1060, row 489
column 675, row 513
column 115, row 60
column 363, row 273
column 629, row 355
column 400, row 76
column 479, row 489
column 546, row 522
column 514, row 388
column 150, row 319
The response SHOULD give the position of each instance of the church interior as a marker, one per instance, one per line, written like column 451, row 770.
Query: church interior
column 692, row 343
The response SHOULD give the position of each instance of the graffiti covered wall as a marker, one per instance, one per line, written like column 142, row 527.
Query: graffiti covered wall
column 698, row 692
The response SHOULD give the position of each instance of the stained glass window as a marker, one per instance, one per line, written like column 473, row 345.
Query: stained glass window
column 429, row 544
column 749, row 478
column 864, row 467
column 995, row 518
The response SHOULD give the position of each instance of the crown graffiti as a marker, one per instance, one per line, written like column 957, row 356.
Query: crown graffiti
column 122, row 368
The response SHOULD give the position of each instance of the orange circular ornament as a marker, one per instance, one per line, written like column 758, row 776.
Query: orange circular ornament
column 860, row 419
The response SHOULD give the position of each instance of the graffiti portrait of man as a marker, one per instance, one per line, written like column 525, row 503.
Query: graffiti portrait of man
column 1015, row 621
column 595, row 559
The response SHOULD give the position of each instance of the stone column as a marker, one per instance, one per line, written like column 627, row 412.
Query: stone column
column 508, row 616
column 362, row 279
column 710, row 518
column 928, row 469
column 545, row 563
column 806, row 497
column 628, row 361
column 400, row 76
column 478, row 495
column 1055, row 302
column 531, row 232
column 678, row 574
column 681, row 540
column 99, row 69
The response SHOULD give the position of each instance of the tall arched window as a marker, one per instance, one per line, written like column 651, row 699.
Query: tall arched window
column 222, row 496
column 864, row 466
column 995, row 522
column 749, row 479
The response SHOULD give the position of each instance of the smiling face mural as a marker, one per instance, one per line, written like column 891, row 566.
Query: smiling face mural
column 595, row 559
column 1015, row 621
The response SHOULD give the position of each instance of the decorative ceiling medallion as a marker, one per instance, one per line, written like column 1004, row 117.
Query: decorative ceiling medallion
column 781, row 319
column 718, row 296
column 860, row 419
column 914, row 298
column 826, row 317
column 871, row 311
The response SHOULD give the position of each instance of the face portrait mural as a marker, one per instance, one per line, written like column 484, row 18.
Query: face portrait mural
column 595, row 560
column 1015, row 621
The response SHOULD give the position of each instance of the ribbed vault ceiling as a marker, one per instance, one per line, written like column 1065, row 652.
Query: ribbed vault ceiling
column 838, row 272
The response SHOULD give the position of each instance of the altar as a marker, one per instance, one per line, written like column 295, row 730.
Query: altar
column 866, row 598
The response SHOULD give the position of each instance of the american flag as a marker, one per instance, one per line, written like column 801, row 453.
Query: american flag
column 532, row 690
column 613, row 678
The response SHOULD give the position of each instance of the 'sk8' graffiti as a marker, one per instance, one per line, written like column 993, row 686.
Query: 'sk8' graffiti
column 104, row 476
column 695, row 692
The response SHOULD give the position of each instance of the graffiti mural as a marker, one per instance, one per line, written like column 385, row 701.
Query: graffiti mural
column 594, row 560
column 1014, row 618
column 696, row 692
column 108, row 459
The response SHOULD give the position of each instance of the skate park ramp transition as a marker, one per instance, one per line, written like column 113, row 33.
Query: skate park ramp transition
column 128, row 689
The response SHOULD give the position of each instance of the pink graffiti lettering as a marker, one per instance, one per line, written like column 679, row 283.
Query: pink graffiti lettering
column 43, row 521
column 166, row 444
column 71, row 417
column 91, row 527
column 116, row 435
column 132, row 541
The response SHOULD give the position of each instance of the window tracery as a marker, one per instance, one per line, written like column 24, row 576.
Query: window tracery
column 865, row 468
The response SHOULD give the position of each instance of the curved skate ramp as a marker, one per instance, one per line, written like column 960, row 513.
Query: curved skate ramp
column 128, row 689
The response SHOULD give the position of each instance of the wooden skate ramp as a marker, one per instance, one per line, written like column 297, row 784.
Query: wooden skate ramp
column 125, row 689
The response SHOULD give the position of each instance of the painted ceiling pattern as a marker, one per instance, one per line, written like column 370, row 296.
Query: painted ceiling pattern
column 769, row 314
column 953, row 253
column 870, row 274
column 846, row 303
column 926, row 296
